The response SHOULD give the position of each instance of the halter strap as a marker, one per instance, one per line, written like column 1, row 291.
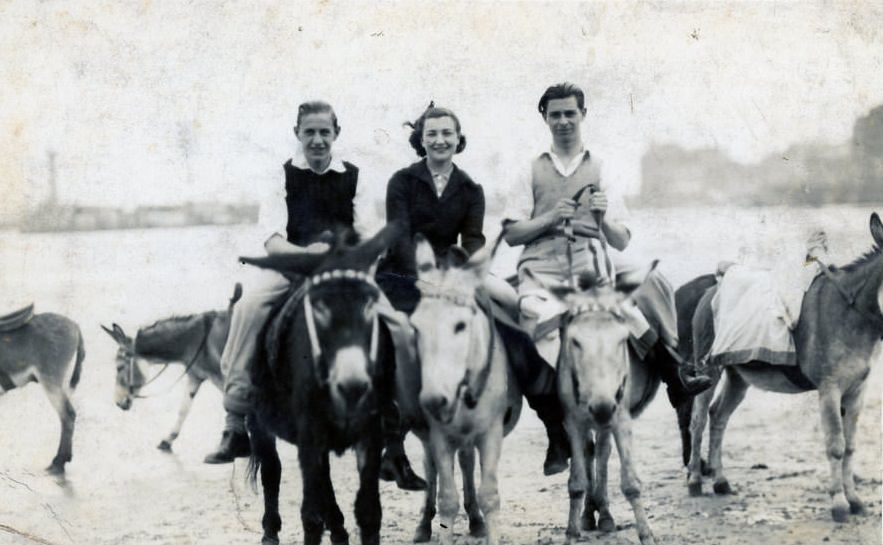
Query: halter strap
column 849, row 298
column 187, row 368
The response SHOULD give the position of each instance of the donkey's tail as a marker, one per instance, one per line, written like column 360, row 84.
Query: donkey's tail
column 78, row 364
column 251, row 472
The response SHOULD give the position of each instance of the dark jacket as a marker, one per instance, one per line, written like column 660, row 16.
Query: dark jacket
column 411, row 200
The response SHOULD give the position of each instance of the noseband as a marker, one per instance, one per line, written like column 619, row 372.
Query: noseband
column 466, row 390
column 309, row 317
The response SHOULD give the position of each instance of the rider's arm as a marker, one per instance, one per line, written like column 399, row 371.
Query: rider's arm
column 471, row 235
column 277, row 244
column 618, row 235
column 523, row 227
column 273, row 219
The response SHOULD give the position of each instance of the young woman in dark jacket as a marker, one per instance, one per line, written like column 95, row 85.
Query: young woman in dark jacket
column 437, row 199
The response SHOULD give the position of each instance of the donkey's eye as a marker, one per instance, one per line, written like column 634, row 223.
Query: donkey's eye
column 459, row 326
column 577, row 344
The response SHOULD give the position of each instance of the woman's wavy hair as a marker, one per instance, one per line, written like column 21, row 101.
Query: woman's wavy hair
column 417, row 128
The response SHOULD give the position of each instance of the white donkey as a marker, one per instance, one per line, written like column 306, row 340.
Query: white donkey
column 467, row 394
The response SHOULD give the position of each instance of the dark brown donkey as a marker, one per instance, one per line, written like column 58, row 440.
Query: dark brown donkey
column 45, row 348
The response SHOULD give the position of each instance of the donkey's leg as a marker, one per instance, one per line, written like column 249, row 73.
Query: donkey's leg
column 697, row 428
column 598, row 490
column 588, row 517
column 832, row 427
column 477, row 527
column 424, row 528
column 578, row 482
column 732, row 394
column 315, row 473
column 448, row 501
column 334, row 520
column 193, row 384
column 263, row 448
column 368, row 510
column 852, row 406
column 629, row 482
column 60, row 401
column 489, row 448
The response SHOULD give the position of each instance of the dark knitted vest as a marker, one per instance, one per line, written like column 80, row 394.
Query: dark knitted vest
column 318, row 202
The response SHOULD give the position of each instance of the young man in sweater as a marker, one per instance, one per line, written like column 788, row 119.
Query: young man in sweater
column 544, row 203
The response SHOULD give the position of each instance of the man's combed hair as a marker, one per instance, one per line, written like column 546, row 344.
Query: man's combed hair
column 562, row 90
column 316, row 107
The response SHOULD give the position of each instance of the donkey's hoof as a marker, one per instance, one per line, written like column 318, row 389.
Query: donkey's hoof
column 267, row 540
column 840, row 513
column 164, row 446
column 695, row 489
column 56, row 469
column 647, row 539
column 857, row 507
column 373, row 539
column 705, row 467
column 606, row 523
column 423, row 533
column 477, row 528
column 587, row 521
column 723, row 488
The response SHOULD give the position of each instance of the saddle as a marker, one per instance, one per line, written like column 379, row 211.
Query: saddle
column 15, row 320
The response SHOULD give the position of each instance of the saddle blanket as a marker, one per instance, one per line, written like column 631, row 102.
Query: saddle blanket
column 754, row 312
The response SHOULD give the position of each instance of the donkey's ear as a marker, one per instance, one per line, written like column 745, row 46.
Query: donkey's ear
column 456, row 257
column 110, row 332
column 877, row 229
column 119, row 331
column 424, row 256
column 632, row 281
column 560, row 291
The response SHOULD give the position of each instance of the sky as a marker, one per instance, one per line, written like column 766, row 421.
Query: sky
column 160, row 102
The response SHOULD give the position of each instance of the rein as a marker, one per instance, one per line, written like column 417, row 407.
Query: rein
column 131, row 365
column 849, row 298
column 568, row 232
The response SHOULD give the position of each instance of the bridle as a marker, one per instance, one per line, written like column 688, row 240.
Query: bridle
column 468, row 390
column 309, row 316
column 132, row 355
column 850, row 298
column 565, row 356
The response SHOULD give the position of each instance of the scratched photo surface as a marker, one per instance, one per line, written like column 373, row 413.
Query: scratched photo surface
column 137, row 139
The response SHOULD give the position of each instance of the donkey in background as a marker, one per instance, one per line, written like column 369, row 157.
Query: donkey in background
column 467, row 393
column 839, row 328
column 45, row 348
column 195, row 341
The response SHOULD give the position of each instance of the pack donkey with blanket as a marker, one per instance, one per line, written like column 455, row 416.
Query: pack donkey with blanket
column 318, row 384
column 194, row 341
column 467, row 391
column 840, row 325
column 45, row 348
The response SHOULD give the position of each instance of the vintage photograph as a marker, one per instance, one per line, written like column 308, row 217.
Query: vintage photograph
column 455, row 272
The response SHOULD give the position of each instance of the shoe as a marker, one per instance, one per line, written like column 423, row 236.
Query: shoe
column 233, row 445
column 688, row 384
column 557, row 453
column 398, row 469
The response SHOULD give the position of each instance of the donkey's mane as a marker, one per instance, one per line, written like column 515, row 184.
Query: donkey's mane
column 868, row 256
column 150, row 342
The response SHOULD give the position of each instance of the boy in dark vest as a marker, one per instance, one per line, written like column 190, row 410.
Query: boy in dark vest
column 321, row 195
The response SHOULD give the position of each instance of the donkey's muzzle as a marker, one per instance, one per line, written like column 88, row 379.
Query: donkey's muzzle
column 437, row 407
column 352, row 392
column 602, row 411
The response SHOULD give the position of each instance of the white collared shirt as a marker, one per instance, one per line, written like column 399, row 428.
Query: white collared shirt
column 273, row 213
column 521, row 201
column 440, row 179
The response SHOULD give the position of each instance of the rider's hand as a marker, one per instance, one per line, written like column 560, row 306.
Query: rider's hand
column 317, row 248
column 583, row 229
column 598, row 202
column 564, row 210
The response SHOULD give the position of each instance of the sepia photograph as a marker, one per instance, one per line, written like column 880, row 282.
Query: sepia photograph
column 499, row 272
